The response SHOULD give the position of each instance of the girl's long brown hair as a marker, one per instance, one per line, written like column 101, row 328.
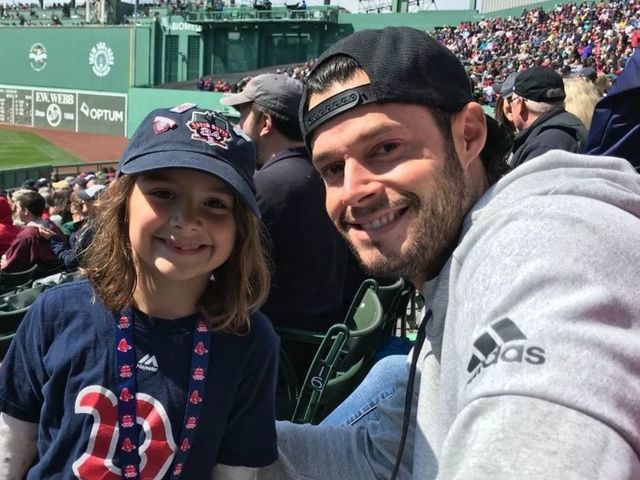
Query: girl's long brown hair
column 241, row 283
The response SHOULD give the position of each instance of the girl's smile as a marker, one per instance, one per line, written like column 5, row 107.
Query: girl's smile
column 181, row 226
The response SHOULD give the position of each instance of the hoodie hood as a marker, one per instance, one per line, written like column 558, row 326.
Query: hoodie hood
column 615, row 128
column 606, row 179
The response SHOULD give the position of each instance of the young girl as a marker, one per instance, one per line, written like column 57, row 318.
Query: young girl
column 157, row 366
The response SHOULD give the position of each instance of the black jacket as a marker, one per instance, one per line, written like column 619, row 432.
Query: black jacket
column 554, row 130
column 309, row 256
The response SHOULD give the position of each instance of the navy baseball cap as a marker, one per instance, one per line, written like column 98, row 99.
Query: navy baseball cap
column 187, row 136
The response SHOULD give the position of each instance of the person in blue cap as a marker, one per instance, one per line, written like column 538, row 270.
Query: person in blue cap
column 158, row 365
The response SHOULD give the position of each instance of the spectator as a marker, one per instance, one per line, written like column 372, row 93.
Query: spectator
column 309, row 256
column 615, row 129
column 29, row 247
column 8, row 231
column 582, row 96
column 538, row 112
column 81, row 231
column 59, row 212
column 522, row 277
column 503, row 105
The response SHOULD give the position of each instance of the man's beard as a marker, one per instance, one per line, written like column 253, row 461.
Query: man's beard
column 435, row 231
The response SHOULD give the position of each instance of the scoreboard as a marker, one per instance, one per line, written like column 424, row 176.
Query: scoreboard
column 15, row 106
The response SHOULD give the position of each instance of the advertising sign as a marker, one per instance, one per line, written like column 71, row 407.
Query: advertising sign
column 102, row 113
column 54, row 109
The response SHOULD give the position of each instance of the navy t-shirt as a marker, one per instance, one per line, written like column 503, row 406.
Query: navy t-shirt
column 60, row 373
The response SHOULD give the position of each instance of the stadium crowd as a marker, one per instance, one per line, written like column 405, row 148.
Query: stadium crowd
column 44, row 221
column 568, row 38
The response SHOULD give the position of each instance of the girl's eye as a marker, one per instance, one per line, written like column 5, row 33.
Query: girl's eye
column 216, row 203
column 163, row 194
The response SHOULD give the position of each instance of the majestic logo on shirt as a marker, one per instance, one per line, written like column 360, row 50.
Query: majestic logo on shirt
column 156, row 451
column 148, row 363
column 502, row 342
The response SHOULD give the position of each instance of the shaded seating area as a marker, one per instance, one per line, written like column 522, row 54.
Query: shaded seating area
column 344, row 355
column 11, row 281
column 15, row 304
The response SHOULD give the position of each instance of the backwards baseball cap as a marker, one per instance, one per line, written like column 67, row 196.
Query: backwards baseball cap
column 190, row 137
column 403, row 64
column 540, row 85
column 276, row 92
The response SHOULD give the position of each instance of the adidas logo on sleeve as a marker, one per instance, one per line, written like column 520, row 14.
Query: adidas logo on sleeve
column 148, row 363
column 503, row 341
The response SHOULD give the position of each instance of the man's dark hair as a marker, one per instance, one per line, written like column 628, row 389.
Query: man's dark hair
column 340, row 68
column 33, row 202
column 289, row 127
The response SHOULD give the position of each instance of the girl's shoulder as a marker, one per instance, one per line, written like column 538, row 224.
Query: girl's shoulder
column 261, row 327
column 68, row 300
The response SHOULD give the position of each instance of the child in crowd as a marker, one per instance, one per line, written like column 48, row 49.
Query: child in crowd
column 158, row 366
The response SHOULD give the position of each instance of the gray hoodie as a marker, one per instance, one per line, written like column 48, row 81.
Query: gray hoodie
column 531, row 368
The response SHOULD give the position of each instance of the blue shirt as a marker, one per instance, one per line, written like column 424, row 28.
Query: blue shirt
column 60, row 373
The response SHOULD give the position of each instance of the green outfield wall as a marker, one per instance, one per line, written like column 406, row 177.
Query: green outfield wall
column 84, row 58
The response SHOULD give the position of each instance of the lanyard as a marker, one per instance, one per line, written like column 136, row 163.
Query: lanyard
column 129, row 431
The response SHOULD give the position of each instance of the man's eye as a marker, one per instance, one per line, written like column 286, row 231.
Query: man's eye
column 386, row 148
column 332, row 170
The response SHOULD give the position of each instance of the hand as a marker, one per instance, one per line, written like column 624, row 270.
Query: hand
column 46, row 232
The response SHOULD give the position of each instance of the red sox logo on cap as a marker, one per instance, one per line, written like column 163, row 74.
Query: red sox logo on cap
column 209, row 128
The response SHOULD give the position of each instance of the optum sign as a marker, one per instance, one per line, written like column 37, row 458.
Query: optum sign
column 102, row 113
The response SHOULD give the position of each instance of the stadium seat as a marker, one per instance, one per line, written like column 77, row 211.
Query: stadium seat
column 11, row 281
column 45, row 269
column 22, row 299
column 345, row 353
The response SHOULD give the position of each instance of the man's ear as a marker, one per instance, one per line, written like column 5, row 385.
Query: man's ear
column 266, row 124
column 469, row 131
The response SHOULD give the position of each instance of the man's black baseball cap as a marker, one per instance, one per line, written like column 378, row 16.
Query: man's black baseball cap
column 404, row 65
column 540, row 85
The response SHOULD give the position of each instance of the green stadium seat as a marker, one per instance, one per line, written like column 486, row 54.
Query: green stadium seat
column 345, row 353
column 11, row 281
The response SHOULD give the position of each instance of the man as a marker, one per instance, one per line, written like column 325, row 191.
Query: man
column 29, row 248
column 615, row 129
column 537, row 110
column 528, row 368
column 309, row 256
